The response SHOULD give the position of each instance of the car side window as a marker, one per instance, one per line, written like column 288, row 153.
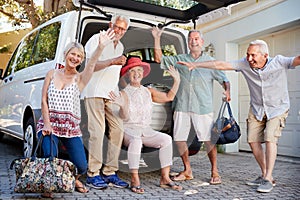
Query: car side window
column 38, row 47
column 46, row 43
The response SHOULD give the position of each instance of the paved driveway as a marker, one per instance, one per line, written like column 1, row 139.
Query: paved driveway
column 235, row 169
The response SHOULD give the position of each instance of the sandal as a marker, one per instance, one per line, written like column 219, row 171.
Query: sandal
column 137, row 189
column 79, row 187
column 171, row 185
column 215, row 180
column 182, row 177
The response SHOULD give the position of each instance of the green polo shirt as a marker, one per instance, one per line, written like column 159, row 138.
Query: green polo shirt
column 195, row 93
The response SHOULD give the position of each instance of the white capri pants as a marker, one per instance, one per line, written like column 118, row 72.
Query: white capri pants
column 135, row 138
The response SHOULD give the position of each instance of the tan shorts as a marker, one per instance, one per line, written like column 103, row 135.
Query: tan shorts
column 265, row 130
column 202, row 125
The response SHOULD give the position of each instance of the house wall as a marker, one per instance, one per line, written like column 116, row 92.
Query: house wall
column 248, row 20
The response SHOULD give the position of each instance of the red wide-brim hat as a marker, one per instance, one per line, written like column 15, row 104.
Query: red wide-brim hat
column 135, row 62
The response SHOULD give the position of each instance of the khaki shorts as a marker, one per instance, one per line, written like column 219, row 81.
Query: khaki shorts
column 265, row 130
column 202, row 125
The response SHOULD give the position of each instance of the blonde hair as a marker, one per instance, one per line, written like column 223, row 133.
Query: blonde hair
column 73, row 45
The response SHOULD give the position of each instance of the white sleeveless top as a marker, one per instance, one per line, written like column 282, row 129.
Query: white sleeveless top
column 140, row 107
column 64, row 110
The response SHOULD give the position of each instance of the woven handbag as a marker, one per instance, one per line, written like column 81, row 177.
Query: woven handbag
column 225, row 130
column 40, row 175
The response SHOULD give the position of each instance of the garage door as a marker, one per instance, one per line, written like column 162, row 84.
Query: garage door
column 286, row 43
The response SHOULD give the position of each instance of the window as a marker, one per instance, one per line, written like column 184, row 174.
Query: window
column 46, row 44
column 38, row 47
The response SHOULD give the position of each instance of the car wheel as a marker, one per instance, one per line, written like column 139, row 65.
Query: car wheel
column 29, row 141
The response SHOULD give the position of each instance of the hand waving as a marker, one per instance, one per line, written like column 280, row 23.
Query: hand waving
column 156, row 32
column 106, row 37
column 117, row 98
column 174, row 73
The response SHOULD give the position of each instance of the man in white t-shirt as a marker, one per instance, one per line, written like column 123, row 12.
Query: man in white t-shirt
column 100, row 109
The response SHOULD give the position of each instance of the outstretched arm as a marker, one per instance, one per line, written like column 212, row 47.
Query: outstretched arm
column 296, row 61
column 162, row 97
column 156, row 33
column 214, row 64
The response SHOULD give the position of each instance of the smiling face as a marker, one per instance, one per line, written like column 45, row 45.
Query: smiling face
column 135, row 75
column 120, row 27
column 195, row 42
column 255, row 58
column 74, row 57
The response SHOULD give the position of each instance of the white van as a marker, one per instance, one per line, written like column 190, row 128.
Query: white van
column 42, row 49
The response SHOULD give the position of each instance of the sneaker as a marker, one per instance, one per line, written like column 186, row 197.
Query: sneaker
column 96, row 182
column 266, row 186
column 258, row 182
column 115, row 181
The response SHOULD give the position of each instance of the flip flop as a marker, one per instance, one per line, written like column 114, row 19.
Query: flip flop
column 171, row 185
column 182, row 177
column 215, row 180
column 81, row 189
column 137, row 189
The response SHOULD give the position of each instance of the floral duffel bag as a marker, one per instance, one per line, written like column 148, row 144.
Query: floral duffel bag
column 40, row 175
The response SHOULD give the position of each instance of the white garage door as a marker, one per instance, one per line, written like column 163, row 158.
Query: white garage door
column 286, row 43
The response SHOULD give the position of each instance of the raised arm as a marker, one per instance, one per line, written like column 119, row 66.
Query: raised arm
column 156, row 33
column 162, row 97
column 296, row 61
column 214, row 64
column 105, row 38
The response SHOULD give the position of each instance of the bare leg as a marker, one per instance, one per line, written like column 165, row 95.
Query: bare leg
column 271, row 154
column 135, row 182
column 211, row 150
column 259, row 155
column 165, row 179
column 184, row 154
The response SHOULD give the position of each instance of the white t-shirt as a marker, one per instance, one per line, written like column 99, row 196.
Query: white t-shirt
column 105, row 80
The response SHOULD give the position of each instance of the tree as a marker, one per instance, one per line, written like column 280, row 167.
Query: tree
column 26, row 11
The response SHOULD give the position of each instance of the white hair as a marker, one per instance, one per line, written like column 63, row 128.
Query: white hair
column 120, row 17
column 263, row 46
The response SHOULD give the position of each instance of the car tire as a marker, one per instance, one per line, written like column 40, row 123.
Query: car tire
column 29, row 139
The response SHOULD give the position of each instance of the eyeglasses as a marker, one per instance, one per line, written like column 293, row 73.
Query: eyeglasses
column 119, row 28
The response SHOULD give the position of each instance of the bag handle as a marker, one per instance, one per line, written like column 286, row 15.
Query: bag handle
column 222, row 109
column 39, row 143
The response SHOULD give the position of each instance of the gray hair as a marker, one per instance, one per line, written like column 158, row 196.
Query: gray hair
column 195, row 31
column 73, row 45
column 263, row 46
column 120, row 17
